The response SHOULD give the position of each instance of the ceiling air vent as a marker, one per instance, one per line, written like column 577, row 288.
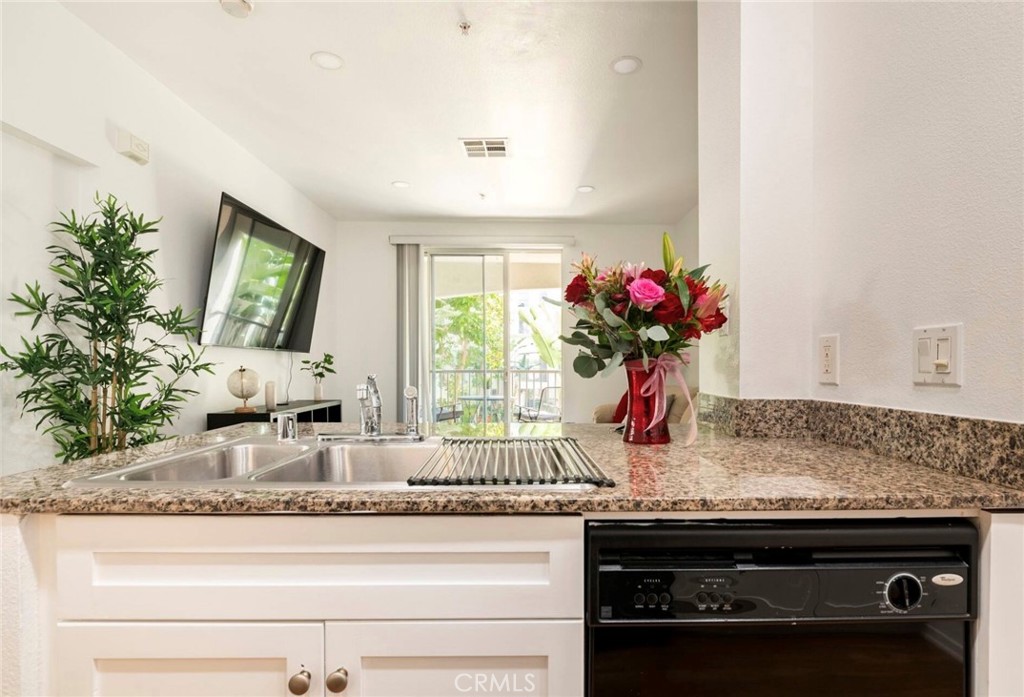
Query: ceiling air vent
column 485, row 147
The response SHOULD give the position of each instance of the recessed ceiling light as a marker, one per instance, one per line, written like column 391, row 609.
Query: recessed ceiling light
column 400, row 185
column 239, row 9
column 326, row 60
column 586, row 189
column 624, row 65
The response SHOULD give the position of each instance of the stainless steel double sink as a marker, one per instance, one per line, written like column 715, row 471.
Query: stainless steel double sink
column 262, row 461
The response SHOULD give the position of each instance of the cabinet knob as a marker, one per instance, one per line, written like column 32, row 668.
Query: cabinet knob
column 298, row 684
column 337, row 681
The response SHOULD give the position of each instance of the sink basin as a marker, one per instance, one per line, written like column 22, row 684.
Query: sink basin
column 354, row 463
column 218, row 463
column 228, row 460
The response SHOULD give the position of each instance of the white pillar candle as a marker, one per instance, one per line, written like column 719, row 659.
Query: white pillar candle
column 270, row 395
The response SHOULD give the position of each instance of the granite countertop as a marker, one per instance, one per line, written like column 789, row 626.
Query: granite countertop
column 717, row 473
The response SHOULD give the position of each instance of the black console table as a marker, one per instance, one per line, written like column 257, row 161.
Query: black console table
column 328, row 410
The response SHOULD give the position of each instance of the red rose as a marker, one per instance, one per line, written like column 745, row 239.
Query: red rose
column 577, row 290
column 713, row 322
column 656, row 275
column 670, row 310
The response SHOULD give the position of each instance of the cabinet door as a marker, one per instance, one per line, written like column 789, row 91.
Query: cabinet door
column 447, row 659
column 187, row 659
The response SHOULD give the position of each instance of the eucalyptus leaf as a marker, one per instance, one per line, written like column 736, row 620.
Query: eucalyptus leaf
column 643, row 333
column 585, row 366
column 613, row 364
column 612, row 319
column 601, row 302
column 657, row 333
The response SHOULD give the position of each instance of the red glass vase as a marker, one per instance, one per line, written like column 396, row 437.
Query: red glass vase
column 640, row 409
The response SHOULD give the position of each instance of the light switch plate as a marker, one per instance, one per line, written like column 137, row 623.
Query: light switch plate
column 828, row 359
column 937, row 355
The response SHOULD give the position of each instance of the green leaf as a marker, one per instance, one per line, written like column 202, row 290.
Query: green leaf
column 612, row 319
column 585, row 366
column 555, row 302
column 601, row 302
column 642, row 332
column 698, row 273
column 613, row 364
column 657, row 333
column 684, row 294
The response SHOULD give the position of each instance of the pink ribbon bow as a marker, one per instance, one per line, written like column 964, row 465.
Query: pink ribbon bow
column 668, row 364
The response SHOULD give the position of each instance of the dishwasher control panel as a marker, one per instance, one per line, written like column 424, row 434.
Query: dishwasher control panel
column 762, row 593
column 697, row 573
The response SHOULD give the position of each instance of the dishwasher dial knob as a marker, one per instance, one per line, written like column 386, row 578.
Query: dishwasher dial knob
column 903, row 592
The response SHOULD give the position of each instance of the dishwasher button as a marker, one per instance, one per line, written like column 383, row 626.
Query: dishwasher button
column 702, row 598
column 638, row 599
column 665, row 598
column 652, row 598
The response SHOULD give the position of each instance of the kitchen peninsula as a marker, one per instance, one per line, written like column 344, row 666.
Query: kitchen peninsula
column 153, row 581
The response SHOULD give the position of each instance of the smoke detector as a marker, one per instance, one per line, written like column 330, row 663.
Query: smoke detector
column 239, row 9
column 485, row 147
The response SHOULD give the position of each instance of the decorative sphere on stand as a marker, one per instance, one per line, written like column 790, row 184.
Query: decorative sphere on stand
column 244, row 384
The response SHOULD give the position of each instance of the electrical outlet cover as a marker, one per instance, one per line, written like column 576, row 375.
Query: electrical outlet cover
column 828, row 359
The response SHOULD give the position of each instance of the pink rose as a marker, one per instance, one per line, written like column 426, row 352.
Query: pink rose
column 645, row 293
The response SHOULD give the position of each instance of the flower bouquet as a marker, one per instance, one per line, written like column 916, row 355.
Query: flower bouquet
column 644, row 319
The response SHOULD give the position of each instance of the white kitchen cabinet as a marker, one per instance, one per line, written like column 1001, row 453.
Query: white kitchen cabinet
column 409, row 606
column 380, row 659
column 187, row 659
column 446, row 659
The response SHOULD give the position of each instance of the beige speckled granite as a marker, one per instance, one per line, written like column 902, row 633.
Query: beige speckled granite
column 718, row 473
column 992, row 451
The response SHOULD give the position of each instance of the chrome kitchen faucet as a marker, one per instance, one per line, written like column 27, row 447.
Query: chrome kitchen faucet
column 369, row 407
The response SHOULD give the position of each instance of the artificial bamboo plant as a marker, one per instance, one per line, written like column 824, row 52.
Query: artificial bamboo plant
column 107, row 373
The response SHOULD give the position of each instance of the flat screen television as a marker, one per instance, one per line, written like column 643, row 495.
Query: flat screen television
column 264, row 283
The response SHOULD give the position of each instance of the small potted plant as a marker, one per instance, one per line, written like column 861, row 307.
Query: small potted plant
column 319, row 370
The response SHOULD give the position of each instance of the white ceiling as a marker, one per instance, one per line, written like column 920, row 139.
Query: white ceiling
column 412, row 85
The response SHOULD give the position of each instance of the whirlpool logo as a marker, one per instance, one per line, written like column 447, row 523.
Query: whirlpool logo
column 495, row 684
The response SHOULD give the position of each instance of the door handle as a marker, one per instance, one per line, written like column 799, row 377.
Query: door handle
column 298, row 684
column 337, row 681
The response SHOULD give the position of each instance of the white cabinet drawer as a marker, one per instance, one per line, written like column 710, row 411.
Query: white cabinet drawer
column 319, row 567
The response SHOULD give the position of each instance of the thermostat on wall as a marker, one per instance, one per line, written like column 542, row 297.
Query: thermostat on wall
column 131, row 146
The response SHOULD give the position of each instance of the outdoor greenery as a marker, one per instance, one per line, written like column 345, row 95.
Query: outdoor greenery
column 106, row 374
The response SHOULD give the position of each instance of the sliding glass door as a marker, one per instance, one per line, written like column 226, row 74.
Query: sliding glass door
column 494, row 354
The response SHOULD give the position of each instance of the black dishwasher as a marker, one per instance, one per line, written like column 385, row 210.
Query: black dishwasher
column 864, row 608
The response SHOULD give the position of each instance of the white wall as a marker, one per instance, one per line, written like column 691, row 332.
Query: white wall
column 919, row 210
column 367, row 314
column 718, row 98
column 904, row 207
column 776, row 195
column 64, row 90
column 686, row 238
